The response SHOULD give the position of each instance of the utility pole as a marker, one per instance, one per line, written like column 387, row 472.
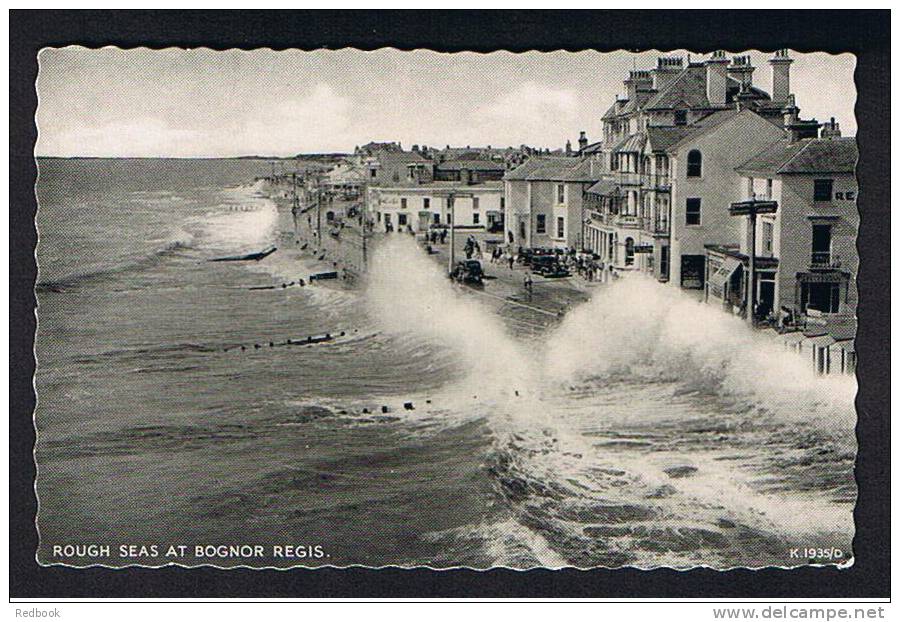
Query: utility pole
column 450, row 206
column 364, row 238
column 319, row 215
column 751, row 275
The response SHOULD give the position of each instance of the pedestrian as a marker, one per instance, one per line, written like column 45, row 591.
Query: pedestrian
column 527, row 282
column 512, row 260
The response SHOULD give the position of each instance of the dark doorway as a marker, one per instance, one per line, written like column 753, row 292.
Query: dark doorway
column 693, row 271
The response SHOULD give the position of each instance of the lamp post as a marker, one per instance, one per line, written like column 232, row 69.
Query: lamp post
column 750, row 208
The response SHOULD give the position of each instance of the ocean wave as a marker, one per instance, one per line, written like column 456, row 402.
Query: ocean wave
column 173, row 245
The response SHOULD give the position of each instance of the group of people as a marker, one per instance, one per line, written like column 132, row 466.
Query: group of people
column 502, row 256
column 472, row 247
column 434, row 236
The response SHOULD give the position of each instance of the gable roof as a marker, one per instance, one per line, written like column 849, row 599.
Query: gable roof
column 808, row 156
column 541, row 166
column 556, row 169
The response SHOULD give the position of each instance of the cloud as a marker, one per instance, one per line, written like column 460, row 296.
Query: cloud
column 142, row 136
column 530, row 109
column 319, row 121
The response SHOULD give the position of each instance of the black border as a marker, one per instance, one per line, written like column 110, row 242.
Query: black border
column 864, row 33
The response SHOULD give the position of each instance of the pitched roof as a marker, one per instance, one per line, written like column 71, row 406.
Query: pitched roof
column 632, row 143
column 585, row 171
column 688, row 91
column 475, row 165
column 605, row 187
column 611, row 111
column 540, row 166
column 812, row 155
column 397, row 157
column 661, row 138
column 668, row 138
column 593, row 147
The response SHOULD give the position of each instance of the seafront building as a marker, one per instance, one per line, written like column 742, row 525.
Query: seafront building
column 670, row 192
column 465, row 193
column 671, row 146
column 544, row 201
column 803, row 242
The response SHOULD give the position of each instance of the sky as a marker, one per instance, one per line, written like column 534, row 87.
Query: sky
column 206, row 103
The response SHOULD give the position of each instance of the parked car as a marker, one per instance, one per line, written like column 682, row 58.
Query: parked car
column 548, row 266
column 468, row 271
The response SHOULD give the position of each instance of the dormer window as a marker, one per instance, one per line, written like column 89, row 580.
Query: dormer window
column 681, row 117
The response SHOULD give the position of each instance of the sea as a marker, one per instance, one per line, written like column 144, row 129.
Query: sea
column 179, row 404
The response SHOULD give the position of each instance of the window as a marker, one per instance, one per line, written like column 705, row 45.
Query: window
column 426, row 203
column 474, row 202
column 821, row 245
column 767, row 234
column 822, row 189
column 692, row 212
column 694, row 163
column 824, row 297
column 436, row 218
column 401, row 219
column 560, row 227
column 541, row 226
column 502, row 202
column 681, row 117
column 560, row 193
column 403, row 203
column 769, row 187
column 373, row 173
column 476, row 217
column 664, row 262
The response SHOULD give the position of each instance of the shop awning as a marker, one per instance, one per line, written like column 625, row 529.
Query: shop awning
column 719, row 278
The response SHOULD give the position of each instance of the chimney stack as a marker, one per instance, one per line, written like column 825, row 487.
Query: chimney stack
column 742, row 71
column 831, row 129
column 637, row 80
column 716, row 78
column 781, row 76
column 791, row 117
column 582, row 141
column 568, row 147
column 667, row 68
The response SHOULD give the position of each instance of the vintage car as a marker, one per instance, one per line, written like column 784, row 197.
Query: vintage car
column 468, row 271
column 528, row 254
column 548, row 266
